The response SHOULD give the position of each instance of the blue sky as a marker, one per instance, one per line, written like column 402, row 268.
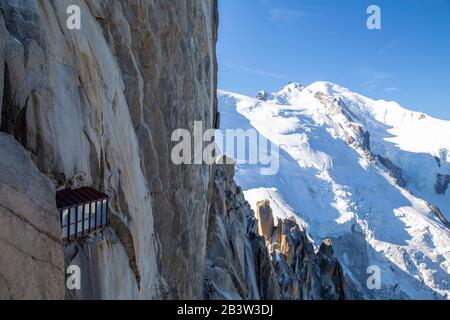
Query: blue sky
column 264, row 44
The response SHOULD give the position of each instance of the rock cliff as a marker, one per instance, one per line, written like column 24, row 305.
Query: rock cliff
column 249, row 258
column 96, row 107
column 31, row 259
column 238, row 262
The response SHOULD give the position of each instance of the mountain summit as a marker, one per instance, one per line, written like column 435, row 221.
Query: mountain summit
column 368, row 173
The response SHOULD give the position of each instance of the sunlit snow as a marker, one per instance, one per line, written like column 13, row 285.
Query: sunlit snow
column 335, row 191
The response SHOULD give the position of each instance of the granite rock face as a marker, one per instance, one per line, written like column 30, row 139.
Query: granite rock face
column 265, row 219
column 302, row 273
column 238, row 263
column 332, row 278
column 250, row 259
column 96, row 107
column 31, row 258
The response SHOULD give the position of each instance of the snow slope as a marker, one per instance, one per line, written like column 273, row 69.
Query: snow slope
column 360, row 171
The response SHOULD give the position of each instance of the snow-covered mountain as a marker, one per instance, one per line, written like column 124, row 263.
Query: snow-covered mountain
column 369, row 174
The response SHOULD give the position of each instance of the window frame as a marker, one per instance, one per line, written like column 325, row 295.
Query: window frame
column 86, row 229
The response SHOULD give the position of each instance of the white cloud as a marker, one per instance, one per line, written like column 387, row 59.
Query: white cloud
column 391, row 89
column 281, row 15
column 255, row 71
column 374, row 80
column 373, row 76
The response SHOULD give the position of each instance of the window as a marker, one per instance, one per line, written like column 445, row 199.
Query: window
column 64, row 222
column 98, row 215
column 73, row 212
column 82, row 212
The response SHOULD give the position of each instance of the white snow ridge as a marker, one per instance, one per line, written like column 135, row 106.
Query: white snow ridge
column 370, row 174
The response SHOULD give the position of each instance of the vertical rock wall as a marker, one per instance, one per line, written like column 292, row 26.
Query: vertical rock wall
column 248, row 257
column 238, row 262
column 31, row 258
column 97, row 107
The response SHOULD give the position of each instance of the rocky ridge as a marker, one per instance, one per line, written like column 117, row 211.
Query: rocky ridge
column 263, row 260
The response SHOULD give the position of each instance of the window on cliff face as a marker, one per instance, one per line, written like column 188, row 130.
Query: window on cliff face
column 82, row 212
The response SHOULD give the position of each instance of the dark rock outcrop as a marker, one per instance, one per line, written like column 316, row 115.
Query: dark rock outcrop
column 31, row 259
column 442, row 182
column 438, row 214
column 302, row 274
column 265, row 219
column 262, row 96
column 395, row 172
column 332, row 282
column 277, row 263
column 238, row 262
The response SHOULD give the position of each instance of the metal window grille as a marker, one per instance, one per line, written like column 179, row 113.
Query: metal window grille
column 82, row 212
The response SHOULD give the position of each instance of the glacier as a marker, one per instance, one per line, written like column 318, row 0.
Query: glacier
column 369, row 174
